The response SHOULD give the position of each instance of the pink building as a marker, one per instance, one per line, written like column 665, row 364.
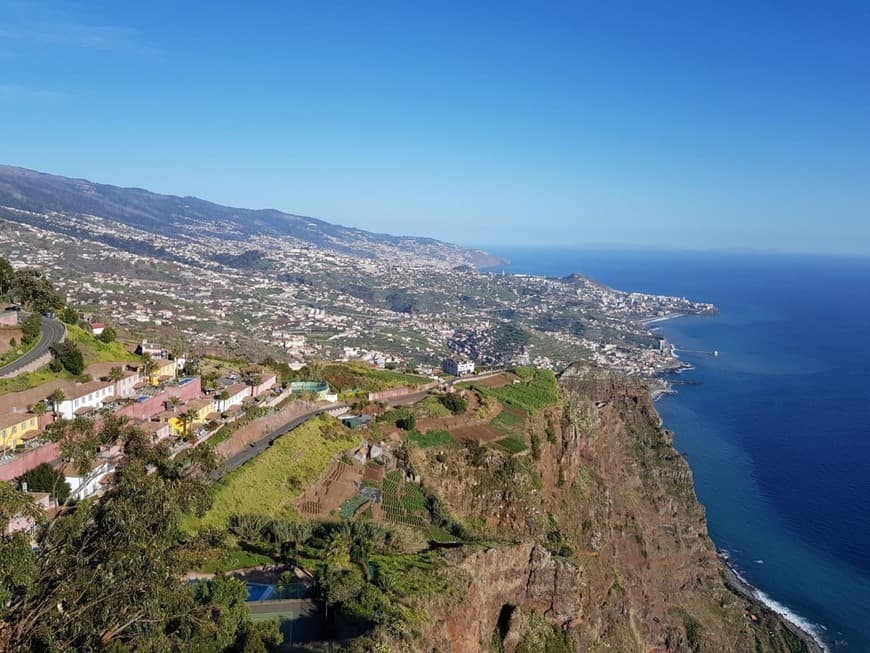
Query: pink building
column 147, row 406
column 267, row 382
column 24, row 462
column 24, row 523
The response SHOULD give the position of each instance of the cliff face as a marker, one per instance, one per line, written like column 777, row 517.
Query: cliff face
column 599, row 541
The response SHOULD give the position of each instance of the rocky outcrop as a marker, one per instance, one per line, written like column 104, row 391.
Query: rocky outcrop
column 601, row 539
column 502, row 580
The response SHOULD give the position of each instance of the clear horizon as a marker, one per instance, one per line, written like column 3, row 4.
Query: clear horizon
column 674, row 126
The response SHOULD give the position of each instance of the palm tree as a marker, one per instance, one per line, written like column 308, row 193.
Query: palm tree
column 40, row 408
column 56, row 398
column 149, row 366
column 173, row 403
column 116, row 374
column 187, row 418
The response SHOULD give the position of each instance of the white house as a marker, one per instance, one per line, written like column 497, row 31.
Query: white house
column 458, row 366
column 83, row 397
column 126, row 387
column 88, row 484
column 235, row 395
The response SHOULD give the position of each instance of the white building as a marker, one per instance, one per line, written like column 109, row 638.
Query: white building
column 458, row 366
column 126, row 387
column 88, row 484
column 235, row 395
column 84, row 397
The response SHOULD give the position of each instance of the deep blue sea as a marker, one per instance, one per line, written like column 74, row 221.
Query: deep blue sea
column 778, row 431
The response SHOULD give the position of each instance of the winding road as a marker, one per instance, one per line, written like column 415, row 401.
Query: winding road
column 53, row 332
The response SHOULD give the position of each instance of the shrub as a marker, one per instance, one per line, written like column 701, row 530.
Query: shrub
column 70, row 356
column 31, row 328
column 69, row 315
column 248, row 527
column 454, row 402
column 45, row 478
column 108, row 335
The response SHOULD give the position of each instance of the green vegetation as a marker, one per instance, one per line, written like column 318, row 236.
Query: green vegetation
column 348, row 508
column 436, row 438
column 232, row 559
column 46, row 478
column 512, row 444
column 538, row 389
column 28, row 287
column 108, row 574
column 269, row 484
column 509, row 420
column 454, row 402
column 431, row 407
column 16, row 350
column 31, row 328
column 32, row 380
column 403, row 503
column 68, row 357
column 107, row 336
column 95, row 350
column 358, row 377
column 543, row 637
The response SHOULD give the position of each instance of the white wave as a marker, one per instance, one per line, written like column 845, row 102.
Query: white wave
column 804, row 624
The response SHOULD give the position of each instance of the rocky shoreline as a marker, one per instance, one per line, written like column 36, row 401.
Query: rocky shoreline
column 740, row 586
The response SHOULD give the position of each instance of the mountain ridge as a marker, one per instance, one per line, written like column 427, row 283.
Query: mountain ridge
column 189, row 216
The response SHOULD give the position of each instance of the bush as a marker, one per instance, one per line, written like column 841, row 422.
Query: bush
column 108, row 335
column 70, row 356
column 45, row 478
column 69, row 315
column 248, row 527
column 454, row 402
column 407, row 423
column 31, row 328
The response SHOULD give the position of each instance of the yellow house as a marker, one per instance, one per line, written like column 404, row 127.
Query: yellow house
column 164, row 368
column 199, row 409
column 13, row 428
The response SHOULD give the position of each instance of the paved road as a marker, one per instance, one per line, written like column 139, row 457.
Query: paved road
column 258, row 447
column 52, row 332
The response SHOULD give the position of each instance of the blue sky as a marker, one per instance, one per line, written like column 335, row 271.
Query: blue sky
column 685, row 124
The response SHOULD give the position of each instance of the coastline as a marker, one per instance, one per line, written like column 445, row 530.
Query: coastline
column 738, row 584
column 655, row 320
column 661, row 387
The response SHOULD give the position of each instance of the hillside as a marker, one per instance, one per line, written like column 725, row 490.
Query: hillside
column 191, row 218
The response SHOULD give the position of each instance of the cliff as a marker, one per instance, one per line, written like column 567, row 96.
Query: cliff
column 595, row 539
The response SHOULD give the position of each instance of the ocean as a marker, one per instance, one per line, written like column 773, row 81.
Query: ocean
column 777, row 429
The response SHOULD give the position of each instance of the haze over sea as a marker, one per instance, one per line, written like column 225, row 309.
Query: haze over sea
column 778, row 431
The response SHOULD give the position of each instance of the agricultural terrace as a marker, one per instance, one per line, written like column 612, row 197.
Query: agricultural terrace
column 508, row 402
column 269, row 484
column 537, row 389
